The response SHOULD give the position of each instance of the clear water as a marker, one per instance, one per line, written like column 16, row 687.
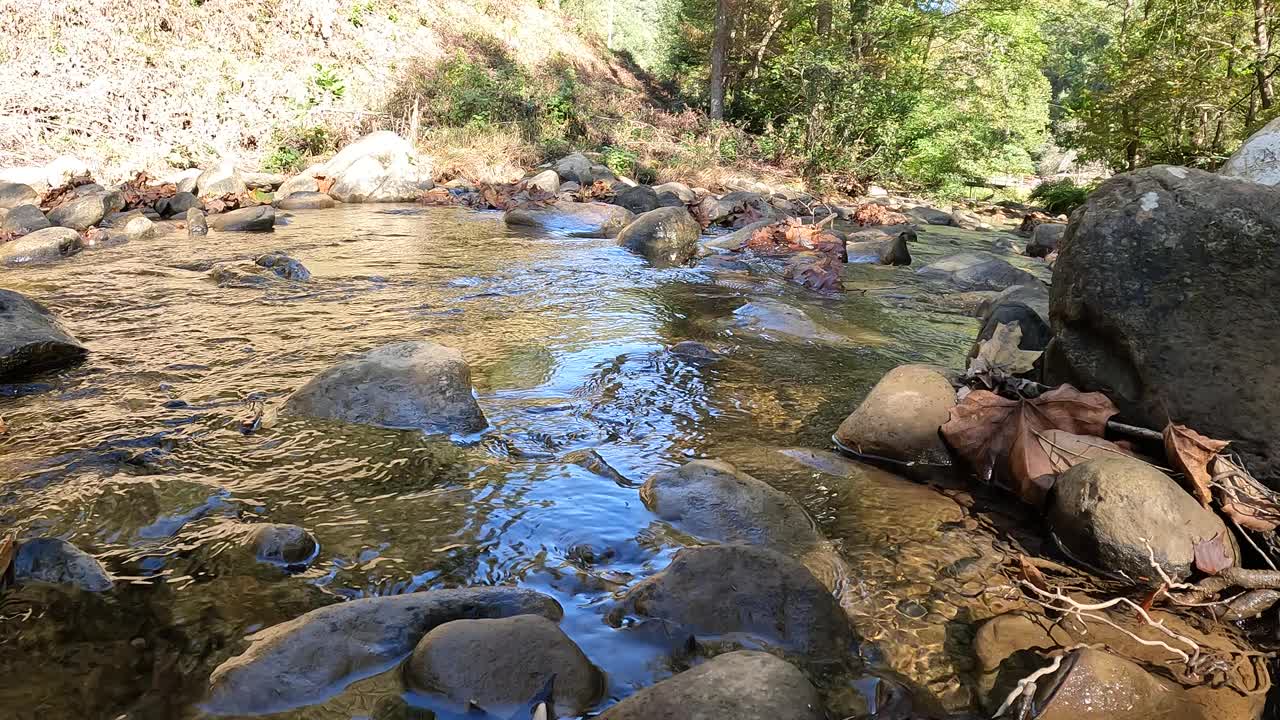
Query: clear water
column 137, row 455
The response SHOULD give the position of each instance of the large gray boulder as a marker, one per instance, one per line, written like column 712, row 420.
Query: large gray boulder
column 743, row 593
column 1258, row 160
column 899, row 419
column 219, row 180
column 594, row 220
column 53, row 560
column 930, row 216
column 313, row 657
column 1164, row 298
column 976, row 271
column 1045, row 239
column 499, row 664
column 41, row 246
column 419, row 385
column 380, row 167
column 24, row 219
column 31, row 339
column 1115, row 512
column 666, row 236
column 678, row 190
column 713, row 500
column 736, row 686
column 14, row 194
column 639, row 199
column 732, row 207
column 890, row 251
column 81, row 213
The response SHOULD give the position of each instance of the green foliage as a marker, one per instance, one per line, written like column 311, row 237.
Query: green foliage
column 359, row 11
column 621, row 162
column 1060, row 197
column 293, row 149
column 326, row 84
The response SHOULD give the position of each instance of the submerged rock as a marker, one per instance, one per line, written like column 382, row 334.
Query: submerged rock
column 261, row 218
column 736, row 686
column 1115, row 512
column 713, row 500
column 893, row 251
column 312, row 657
column 284, row 266
column 500, row 664
column 419, row 385
column 775, row 316
column 596, row 220
column 976, row 271
column 666, row 236
column 1164, row 298
column 31, row 339
column 57, row 561
column 41, row 246
column 280, row 544
column 24, row 219
column 735, row 592
column 900, row 417
column 694, row 350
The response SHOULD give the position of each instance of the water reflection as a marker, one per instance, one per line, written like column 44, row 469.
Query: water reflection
column 137, row 456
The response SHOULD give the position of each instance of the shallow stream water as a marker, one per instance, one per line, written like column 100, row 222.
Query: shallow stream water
column 138, row 457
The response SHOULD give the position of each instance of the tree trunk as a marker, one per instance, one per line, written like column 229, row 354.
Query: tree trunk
column 824, row 18
column 859, row 14
column 1261, row 49
column 719, row 49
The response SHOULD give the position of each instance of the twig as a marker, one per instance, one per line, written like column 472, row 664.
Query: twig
column 1134, row 431
column 1026, row 688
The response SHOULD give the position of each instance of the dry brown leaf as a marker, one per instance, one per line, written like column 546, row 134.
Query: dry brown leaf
column 1212, row 556
column 3, row 427
column 1000, row 357
column 325, row 184
column 8, row 550
column 1032, row 573
column 1000, row 439
column 1243, row 499
column 1191, row 452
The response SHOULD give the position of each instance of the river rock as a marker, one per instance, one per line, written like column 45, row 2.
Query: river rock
column 1107, row 510
column 1258, row 159
column 976, row 271
column 499, row 664
column 739, row 686
column 774, row 317
column 737, row 240
column 307, row 201
column 900, row 417
column 284, row 266
column 680, row 191
column 31, row 338
column 730, row 208
column 1027, row 306
column 311, row 658
column 57, row 561
column 41, row 246
column 575, row 168
column 893, row 251
column 1045, row 239
column 221, row 179
column 713, row 500
column 13, row 195
column 63, row 170
column 929, row 216
column 418, row 385
column 79, row 214
column 740, row 591
column 264, row 181
column 281, row 544
column 24, row 219
column 177, row 205
column 260, row 218
column 595, row 220
column 139, row 228
column 197, row 224
column 546, row 181
column 666, row 236
column 304, row 181
column 380, row 167
column 639, row 199
column 1151, row 287
column 967, row 220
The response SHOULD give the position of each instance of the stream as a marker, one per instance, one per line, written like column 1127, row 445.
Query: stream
column 138, row 455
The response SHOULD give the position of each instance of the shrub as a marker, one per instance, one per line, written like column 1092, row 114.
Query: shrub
column 293, row 149
column 1060, row 196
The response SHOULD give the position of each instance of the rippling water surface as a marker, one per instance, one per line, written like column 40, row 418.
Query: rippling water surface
column 137, row 455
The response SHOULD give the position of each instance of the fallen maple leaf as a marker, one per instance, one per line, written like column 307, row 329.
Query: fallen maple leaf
column 1243, row 499
column 1065, row 450
column 1000, row 438
column 1191, row 452
column 1032, row 574
column 999, row 356
column 1212, row 556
